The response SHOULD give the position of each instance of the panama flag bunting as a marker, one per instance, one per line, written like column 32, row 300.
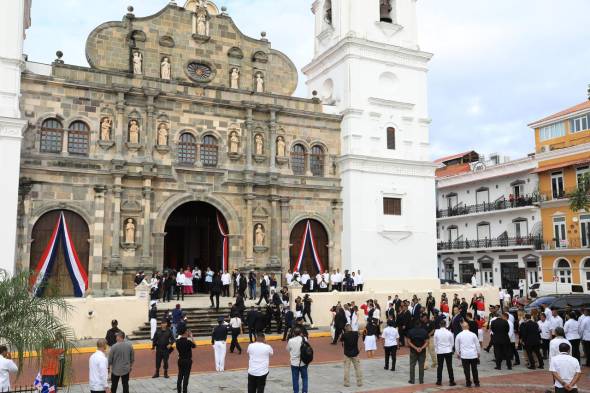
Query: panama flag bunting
column 223, row 232
column 308, row 238
column 60, row 235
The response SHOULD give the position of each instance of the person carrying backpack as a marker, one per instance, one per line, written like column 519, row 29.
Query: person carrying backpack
column 301, row 355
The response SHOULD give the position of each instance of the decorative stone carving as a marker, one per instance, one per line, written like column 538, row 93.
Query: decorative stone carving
column 133, row 132
column 235, row 53
column 281, row 147
column 137, row 63
column 131, row 206
column 259, row 83
column 201, row 23
column 234, row 143
column 259, row 236
column 235, row 78
column 165, row 69
column 162, row 134
column 200, row 72
column 260, row 57
column 106, row 125
column 167, row 41
column 259, row 142
column 130, row 231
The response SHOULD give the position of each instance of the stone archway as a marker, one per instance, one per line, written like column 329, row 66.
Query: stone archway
column 60, row 281
column 194, row 237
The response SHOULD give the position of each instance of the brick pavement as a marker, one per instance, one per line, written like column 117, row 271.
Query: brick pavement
column 326, row 376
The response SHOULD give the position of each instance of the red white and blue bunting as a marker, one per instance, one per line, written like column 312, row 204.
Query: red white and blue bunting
column 308, row 237
column 60, row 234
column 223, row 232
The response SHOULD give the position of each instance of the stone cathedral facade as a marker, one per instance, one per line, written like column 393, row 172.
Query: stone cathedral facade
column 181, row 138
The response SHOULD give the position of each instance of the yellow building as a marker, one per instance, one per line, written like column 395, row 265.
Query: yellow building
column 562, row 143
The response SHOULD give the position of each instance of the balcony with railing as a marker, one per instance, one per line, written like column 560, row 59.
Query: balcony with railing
column 500, row 204
column 502, row 242
column 569, row 245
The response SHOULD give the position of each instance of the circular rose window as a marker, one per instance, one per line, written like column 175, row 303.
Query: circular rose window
column 199, row 72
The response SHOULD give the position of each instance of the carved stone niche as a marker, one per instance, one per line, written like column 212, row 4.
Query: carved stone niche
column 167, row 41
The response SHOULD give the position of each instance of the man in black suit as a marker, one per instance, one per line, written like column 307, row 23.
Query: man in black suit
column 530, row 336
column 403, row 321
column 340, row 322
column 502, row 345
column 289, row 316
column 251, row 318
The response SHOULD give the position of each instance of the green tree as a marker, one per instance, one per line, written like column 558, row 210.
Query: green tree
column 30, row 324
column 580, row 198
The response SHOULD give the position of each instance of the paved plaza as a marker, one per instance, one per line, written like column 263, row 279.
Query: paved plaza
column 328, row 378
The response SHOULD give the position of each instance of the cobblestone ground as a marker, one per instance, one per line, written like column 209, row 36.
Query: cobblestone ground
column 328, row 378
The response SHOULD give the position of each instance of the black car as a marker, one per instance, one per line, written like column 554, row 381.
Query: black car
column 576, row 302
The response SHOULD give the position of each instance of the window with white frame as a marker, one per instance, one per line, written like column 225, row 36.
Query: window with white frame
column 483, row 231
column 563, row 271
column 557, row 188
column 586, row 273
column 453, row 232
column 585, row 230
column 559, row 233
column 521, row 227
column 552, row 131
column 518, row 190
column 581, row 123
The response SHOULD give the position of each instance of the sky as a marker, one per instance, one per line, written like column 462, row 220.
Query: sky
column 498, row 64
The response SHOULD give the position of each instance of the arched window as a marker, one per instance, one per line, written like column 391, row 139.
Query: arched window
column 51, row 135
column 390, row 138
column 78, row 137
column 298, row 159
column 209, row 151
column 316, row 161
column 563, row 271
column 187, row 149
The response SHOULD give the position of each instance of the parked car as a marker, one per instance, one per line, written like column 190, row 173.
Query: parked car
column 547, row 288
column 576, row 302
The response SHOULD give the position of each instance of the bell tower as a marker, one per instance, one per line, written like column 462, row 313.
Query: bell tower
column 368, row 67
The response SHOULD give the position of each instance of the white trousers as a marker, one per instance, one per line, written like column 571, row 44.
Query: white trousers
column 153, row 327
column 220, row 348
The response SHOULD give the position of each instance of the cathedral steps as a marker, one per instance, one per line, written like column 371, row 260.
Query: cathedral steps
column 200, row 321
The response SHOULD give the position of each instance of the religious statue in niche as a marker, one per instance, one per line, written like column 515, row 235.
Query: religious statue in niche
column 386, row 8
column 281, row 147
column 235, row 78
column 133, row 132
column 105, row 129
column 201, row 22
column 259, row 236
column 162, row 134
column 165, row 69
column 259, row 83
column 234, row 142
column 130, row 232
column 259, row 142
column 137, row 63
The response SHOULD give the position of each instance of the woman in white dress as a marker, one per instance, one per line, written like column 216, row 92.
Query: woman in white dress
column 371, row 334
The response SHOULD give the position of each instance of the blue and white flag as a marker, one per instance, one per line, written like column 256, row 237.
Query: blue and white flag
column 37, row 384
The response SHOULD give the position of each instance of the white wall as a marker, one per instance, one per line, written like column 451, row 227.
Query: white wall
column 12, row 25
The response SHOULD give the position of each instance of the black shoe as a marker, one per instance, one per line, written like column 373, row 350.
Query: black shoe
column 166, row 375
column 531, row 368
column 156, row 375
column 497, row 368
column 452, row 383
column 438, row 383
column 541, row 366
column 411, row 382
column 509, row 368
column 477, row 384
column 468, row 384
column 487, row 350
column 517, row 364
column 386, row 368
column 393, row 369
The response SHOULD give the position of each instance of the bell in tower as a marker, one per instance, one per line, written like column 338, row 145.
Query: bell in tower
column 386, row 11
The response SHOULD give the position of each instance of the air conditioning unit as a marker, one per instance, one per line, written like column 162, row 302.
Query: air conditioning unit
column 545, row 149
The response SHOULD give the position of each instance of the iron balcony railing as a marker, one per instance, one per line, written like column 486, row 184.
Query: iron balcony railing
column 532, row 241
column 566, row 244
column 501, row 204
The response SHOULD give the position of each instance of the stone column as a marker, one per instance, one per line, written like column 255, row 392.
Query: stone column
column 23, row 252
column 95, row 269
column 335, row 245
column 121, row 129
column 275, row 229
column 116, row 228
column 273, row 137
column 150, row 126
column 147, row 233
column 285, row 235
column 249, row 197
column 249, row 131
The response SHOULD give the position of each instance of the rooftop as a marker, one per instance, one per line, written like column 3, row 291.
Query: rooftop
column 576, row 108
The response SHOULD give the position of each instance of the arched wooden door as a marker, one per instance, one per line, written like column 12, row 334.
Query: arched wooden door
column 320, row 237
column 60, row 281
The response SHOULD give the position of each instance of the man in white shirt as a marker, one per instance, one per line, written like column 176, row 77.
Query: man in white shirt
column 467, row 349
column 571, row 329
column 547, row 312
column 443, row 346
column 585, row 334
column 7, row 366
column 297, row 366
column 326, row 276
column 258, row 364
column 390, row 339
column 359, row 281
column 545, row 330
column 566, row 370
column 305, row 281
column 555, row 321
column 556, row 342
column 226, row 281
column 98, row 366
column 289, row 277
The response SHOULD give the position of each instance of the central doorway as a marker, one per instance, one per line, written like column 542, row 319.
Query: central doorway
column 194, row 237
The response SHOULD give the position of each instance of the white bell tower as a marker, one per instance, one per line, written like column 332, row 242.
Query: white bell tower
column 368, row 67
